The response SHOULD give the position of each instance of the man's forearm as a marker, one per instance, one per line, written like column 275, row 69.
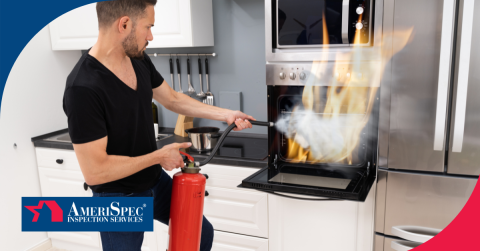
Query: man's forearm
column 115, row 167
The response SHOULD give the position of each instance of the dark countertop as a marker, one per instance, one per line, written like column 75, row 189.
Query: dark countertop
column 238, row 149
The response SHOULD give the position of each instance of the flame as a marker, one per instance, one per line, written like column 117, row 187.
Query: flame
column 349, row 103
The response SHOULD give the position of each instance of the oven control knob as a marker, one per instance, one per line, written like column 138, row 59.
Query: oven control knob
column 359, row 10
column 282, row 75
column 303, row 76
column 359, row 26
column 293, row 75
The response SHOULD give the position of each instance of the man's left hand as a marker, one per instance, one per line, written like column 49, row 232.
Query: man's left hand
column 240, row 119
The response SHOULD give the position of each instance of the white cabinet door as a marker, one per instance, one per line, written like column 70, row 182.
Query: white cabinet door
column 320, row 225
column 235, row 242
column 228, row 176
column 63, row 183
column 150, row 240
column 161, row 232
column 222, row 241
column 237, row 211
column 48, row 157
column 178, row 23
column 67, row 183
column 182, row 23
column 76, row 29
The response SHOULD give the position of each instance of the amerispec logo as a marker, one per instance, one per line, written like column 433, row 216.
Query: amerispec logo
column 57, row 212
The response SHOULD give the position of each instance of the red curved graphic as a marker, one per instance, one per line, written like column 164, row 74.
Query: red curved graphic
column 57, row 212
column 463, row 232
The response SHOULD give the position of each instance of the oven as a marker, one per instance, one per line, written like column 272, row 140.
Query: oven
column 324, row 142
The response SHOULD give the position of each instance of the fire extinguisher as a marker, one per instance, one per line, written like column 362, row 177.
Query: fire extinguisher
column 188, row 192
column 186, row 208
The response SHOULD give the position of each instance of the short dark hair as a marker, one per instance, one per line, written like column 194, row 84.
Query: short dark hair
column 109, row 11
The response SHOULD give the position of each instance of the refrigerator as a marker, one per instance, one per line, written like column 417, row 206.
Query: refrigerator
column 429, row 133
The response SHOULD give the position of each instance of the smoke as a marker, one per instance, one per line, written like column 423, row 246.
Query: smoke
column 324, row 137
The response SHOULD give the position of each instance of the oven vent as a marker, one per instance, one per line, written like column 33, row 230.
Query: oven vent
column 261, row 186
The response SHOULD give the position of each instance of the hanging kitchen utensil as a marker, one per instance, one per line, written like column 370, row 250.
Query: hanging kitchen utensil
column 191, row 91
column 171, row 72
column 201, row 94
column 179, row 79
column 209, row 94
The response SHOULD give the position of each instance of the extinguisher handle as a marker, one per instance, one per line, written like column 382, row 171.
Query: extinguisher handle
column 186, row 157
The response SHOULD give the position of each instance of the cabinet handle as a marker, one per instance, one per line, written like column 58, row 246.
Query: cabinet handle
column 463, row 71
column 206, row 193
column 404, row 245
column 206, row 176
column 59, row 161
column 444, row 73
column 414, row 233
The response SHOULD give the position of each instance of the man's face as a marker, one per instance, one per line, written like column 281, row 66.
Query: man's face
column 136, row 42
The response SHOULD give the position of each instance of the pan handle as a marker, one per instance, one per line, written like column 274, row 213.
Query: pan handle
column 215, row 135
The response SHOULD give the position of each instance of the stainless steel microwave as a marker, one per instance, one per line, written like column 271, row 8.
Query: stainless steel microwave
column 299, row 30
column 313, row 23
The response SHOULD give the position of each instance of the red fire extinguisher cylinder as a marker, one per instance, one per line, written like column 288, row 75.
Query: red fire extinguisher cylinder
column 186, row 210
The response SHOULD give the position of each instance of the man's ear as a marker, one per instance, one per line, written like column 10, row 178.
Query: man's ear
column 123, row 24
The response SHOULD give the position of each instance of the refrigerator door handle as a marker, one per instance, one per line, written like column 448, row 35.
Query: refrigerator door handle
column 345, row 14
column 463, row 71
column 404, row 245
column 444, row 73
column 415, row 233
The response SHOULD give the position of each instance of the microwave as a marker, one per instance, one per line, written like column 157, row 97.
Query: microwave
column 305, row 30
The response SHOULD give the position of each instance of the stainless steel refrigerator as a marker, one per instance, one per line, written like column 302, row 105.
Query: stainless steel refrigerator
column 429, row 137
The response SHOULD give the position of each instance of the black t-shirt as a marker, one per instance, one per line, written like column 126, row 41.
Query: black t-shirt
column 98, row 104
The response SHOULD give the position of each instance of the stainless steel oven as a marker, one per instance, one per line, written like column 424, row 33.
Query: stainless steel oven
column 324, row 142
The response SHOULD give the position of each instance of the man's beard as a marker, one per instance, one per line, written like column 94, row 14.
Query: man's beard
column 130, row 46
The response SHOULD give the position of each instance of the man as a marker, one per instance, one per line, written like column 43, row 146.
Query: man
column 108, row 104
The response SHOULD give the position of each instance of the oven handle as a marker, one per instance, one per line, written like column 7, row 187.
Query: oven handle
column 463, row 72
column 444, row 73
column 295, row 198
column 345, row 14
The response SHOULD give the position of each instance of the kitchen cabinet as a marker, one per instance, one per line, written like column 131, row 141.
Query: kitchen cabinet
column 243, row 219
column 178, row 23
column 232, row 209
column 222, row 241
column 320, row 225
column 232, row 242
column 55, row 182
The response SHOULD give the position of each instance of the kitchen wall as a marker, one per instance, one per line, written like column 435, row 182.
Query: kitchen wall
column 31, row 106
column 239, row 30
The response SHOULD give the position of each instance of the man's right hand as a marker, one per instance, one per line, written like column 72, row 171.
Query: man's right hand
column 170, row 157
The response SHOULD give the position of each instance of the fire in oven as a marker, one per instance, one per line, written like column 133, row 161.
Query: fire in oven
column 324, row 142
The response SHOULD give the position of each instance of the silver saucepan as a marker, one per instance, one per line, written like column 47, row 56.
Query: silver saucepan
column 203, row 139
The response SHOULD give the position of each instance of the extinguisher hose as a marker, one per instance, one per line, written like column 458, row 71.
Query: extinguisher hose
column 224, row 135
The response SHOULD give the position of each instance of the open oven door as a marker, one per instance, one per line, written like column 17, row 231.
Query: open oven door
column 340, row 160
